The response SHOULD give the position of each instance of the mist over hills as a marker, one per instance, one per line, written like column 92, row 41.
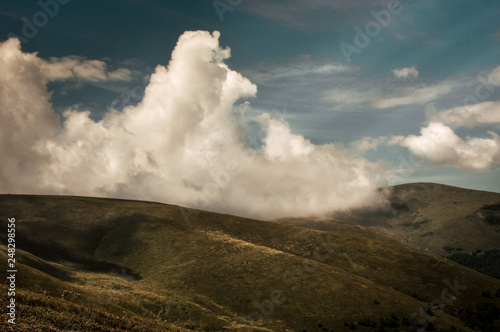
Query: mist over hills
column 105, row 264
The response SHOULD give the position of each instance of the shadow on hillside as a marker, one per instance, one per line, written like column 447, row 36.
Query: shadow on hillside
column 57, row 254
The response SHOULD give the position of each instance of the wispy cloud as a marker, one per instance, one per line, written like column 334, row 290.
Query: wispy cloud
column 297, row 13
column 374, row 96
column 345, row 98
column 74, row 67
column 295, row 70
column 17, row 17
column 415, row 95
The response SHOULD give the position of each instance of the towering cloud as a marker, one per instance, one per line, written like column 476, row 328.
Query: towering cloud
column 26, row 120
column 181, row 144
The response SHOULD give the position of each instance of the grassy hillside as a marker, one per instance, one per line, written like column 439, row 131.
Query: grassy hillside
column 101, row 261
column 461, row 224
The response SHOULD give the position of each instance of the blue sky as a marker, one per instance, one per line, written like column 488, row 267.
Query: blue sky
column 425, row 62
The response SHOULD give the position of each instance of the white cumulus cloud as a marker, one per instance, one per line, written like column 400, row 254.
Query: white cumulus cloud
column 181, row 144
column 484, row 113
column 440, row 145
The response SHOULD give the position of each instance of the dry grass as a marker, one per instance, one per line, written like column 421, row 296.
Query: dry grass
column 40, row 312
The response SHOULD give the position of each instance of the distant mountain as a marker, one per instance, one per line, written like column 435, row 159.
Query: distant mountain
column 447, row 221
column 106, row 265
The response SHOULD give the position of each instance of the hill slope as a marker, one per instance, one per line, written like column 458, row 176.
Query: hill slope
column 458, row 223
column 461, row 224
column 176, row 268
column 433, row 216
